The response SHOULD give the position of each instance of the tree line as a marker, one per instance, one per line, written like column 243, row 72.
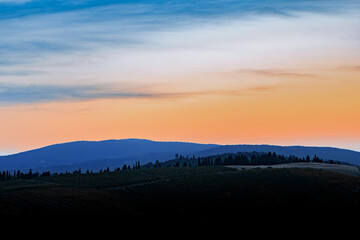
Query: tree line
column 241, row 158
column 257, row 159
column 13, row 175
column 253, row 158
column 8, row 175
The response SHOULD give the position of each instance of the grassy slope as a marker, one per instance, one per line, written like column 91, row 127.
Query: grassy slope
column 197, row 192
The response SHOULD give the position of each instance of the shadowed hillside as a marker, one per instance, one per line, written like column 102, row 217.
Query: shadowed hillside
column 197, row 193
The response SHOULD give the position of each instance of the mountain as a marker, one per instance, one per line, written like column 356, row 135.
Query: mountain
column 97, row 155
column 115, row 153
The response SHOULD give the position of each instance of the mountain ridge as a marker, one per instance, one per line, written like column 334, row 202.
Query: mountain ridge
column 116, row 152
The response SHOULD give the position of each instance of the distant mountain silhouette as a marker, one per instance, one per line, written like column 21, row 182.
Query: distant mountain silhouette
column 97, row 155
column 326, row 153
column 115, row 153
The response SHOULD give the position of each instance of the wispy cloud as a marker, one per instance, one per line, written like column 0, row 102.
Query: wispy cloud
column 255, row 90
column 19, row 94
column 48, row 52
column 82, row 27
column 19, row 72
column 15, row 1
column 278, row 73
column 350, row 68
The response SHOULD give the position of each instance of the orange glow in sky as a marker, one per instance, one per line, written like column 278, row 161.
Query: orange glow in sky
column 309, row 111
column 219, row 75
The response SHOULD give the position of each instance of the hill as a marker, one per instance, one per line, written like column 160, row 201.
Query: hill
column 115, row 153
column 195, row 193
column 326, row 153
column 96, row 155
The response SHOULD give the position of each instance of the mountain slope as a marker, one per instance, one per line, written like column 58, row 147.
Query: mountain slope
column 114, row 151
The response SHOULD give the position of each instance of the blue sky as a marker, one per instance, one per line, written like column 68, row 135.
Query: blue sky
column 198, row 7
column 212, row 69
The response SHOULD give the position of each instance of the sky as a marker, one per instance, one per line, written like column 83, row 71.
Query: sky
column 215, row 71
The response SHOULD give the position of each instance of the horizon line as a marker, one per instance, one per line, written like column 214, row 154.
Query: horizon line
column 167, row 141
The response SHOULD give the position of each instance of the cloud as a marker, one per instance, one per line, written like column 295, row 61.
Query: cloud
column 15, row 1
column 255, row 90
column 354, row 68
column 11, row 94
column 19, row 94
column 54, row 51
column 278, row 73
column 204, row 8
column 67, row 28
column 19, row 72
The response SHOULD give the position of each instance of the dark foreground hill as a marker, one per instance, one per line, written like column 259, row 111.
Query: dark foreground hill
column 115, row 153
column 183, row 193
